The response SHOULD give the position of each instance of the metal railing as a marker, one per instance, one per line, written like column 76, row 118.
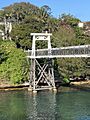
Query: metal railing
column 59, row 52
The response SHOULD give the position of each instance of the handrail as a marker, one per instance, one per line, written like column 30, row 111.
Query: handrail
column 81, row 50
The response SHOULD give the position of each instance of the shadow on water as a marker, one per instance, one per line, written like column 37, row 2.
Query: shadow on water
column 46, row 105
column 83, row 88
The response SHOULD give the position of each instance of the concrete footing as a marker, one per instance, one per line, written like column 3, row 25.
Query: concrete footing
column 54, row 89
column 50, row 89
column 30, row 89
column 34, row 91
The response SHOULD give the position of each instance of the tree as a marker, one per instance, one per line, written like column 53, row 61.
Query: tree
column 64, row 36
column 69, row 19
column 69, row 34
column 27, row 18
column 14, row 68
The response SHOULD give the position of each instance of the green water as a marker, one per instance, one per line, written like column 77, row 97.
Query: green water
column 65, row 105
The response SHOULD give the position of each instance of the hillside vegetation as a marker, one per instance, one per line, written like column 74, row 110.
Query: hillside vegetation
column 13, row 63
column 27, row 18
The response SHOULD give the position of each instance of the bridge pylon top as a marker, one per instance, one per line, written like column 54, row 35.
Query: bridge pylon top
column 41, row 37
column 41, row 34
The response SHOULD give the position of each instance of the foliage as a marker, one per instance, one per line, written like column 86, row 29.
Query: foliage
column 21, row 33
column 69, row 34
column 69, row 67
column 27, row 18
column 69, row 19
column 18, row 11
column 66, row 80
column 15, row 67
column 64, row 36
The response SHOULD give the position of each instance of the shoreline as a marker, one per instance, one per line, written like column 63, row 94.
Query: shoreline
column 84, row 85
column 13, row 87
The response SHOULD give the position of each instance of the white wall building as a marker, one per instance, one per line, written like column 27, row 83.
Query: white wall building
column 81, row 24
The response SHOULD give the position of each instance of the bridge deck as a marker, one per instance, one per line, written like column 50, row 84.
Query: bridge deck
column 71, row 51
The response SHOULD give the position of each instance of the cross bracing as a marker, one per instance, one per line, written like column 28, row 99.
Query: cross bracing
column 42, row 75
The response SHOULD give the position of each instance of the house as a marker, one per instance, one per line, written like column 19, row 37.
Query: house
column 85, row 26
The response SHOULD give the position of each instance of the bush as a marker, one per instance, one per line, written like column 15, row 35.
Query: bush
column 66, row 80
column 15, row 67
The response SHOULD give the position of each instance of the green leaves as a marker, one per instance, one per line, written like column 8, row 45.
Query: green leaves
column 15, row 67
column 69, row 34
column 27, row 19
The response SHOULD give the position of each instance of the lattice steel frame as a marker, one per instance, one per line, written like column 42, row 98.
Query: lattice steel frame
column 45, row 72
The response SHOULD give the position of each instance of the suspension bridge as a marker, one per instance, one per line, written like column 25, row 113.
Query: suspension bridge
column 42, row 75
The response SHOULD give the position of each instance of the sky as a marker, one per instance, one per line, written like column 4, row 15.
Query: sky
column 78, row 8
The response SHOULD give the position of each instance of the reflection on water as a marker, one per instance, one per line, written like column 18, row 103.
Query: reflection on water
column 42, row 107
column 22, row 105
